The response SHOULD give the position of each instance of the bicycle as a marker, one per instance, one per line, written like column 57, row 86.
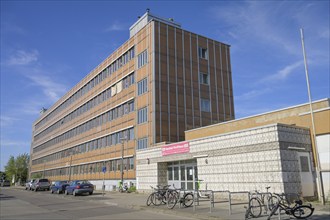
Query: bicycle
column 258, row 200
column 174, row 196
column 299, row 210
column 158, row 196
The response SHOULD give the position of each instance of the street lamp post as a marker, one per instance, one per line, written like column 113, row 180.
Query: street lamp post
column 70, row 168
column 122, row 160
column 43, row 173
column 315, row 150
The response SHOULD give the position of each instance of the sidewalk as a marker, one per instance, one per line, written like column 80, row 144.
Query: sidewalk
column 219, row 211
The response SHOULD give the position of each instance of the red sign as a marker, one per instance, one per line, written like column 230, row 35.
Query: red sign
column 179, row 148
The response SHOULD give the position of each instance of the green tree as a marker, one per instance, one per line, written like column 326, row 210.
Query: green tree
column 22, row 163
column 10, row 168
column 17, row 167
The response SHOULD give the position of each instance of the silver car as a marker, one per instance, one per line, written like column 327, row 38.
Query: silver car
column 40, row 184
column 28, row 184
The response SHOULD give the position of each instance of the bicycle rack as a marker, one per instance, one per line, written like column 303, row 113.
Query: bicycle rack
column 221, row 201
column 238, row 203
column 198, row 198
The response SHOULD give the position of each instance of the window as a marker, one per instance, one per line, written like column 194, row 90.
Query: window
column 204, row 78
column 131, row 163
column 142, row 86
column 205, row 105
column 202, row 53
column 304, row 165
column 142, row 115
column 142, row 143
column 142, row 59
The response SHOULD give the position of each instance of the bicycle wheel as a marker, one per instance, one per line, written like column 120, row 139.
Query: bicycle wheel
column 302, row 212
column 255, row 207
column 172, row 199
column 150, row 198
column 273, row 211
column 157, row 199
column 188, row 200
column 272, row 201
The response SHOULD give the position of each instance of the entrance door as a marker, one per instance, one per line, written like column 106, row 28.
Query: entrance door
column 307, row 185
column 183, row 175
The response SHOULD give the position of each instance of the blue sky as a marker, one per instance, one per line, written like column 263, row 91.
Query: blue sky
column 49, row 46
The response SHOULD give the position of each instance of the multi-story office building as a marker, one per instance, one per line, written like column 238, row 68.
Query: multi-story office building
column 162, row 81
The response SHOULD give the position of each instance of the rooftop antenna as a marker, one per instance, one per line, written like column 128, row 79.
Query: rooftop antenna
column 42, row 110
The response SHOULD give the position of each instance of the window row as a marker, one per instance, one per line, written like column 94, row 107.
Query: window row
column 111, row 166
column 105, row 95
column 103, row 142
column 112, row 114
column 114, row 66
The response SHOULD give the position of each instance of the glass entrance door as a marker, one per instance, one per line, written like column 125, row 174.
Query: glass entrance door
column 183, row 175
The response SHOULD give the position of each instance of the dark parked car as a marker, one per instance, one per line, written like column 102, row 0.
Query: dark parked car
column 79, row 187
column 40, row 184
column 28, row 184
column 59, row 187
column 5, row 183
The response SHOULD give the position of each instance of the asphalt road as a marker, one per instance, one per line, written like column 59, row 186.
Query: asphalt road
column 20, row 204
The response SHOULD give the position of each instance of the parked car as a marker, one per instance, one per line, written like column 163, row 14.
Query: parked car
column 40, row 184
column 59, row 186
column 5, row 183
column 79, row 187
column 28, row 184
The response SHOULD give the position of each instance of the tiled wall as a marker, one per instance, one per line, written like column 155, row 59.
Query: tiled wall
column 239, row 161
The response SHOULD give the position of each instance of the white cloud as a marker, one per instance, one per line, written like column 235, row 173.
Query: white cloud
column 14, row 143
column 6, row 121
column 282, row 74
column 252, row 94
column 22, row 57
column 116, row 26
column 274, row 24
column 50, row 88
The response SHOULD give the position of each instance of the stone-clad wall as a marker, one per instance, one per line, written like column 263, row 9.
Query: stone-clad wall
column 239, row 161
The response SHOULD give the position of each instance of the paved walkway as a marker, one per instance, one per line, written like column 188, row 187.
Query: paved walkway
column 220, row 211
column 202, row 211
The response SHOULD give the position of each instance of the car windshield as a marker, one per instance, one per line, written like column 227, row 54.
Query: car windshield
column 43, row 180
column 83, row 182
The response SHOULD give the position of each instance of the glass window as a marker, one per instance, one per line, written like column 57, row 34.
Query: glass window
column 170, row 173
column 204, row 78
column 142, row 86
column 202, row 53
column 142, row 143
column 205, row 105
column 142, row 58
column 304, row 165
column 142, row 115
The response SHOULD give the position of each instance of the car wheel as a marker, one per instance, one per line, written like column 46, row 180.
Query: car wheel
column 35, row 189
column 51, row 191
column 74, row 193
column 66, row 192
column 90, row 193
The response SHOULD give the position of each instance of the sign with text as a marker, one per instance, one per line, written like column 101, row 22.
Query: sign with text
column 178, row 148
